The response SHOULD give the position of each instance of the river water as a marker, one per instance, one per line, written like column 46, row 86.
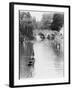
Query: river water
column 47, row 63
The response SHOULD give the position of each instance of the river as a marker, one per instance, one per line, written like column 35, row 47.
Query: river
column 47, row 63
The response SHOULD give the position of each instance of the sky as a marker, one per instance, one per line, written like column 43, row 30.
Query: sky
column 38, row 15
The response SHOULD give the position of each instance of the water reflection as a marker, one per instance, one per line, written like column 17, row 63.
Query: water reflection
column 42, row 57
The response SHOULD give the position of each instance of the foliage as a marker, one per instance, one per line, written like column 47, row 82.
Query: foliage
column 49, row 21
column 26, row 25
column 58, row 21
column 46, row 21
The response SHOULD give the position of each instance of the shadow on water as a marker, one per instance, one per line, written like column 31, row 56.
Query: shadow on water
column 26, row 60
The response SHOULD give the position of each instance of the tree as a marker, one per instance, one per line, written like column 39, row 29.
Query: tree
column 58, row 22
column 46, row 21
column 34, row 23
column 25, row 25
